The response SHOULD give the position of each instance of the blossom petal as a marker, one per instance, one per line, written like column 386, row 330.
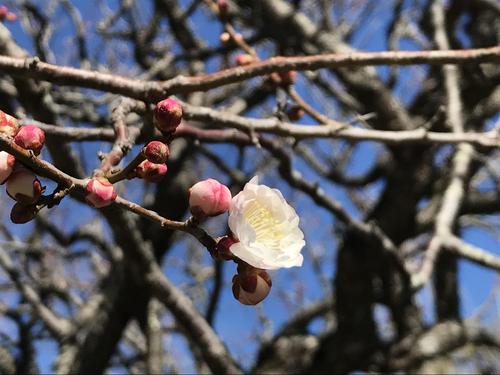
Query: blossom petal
column 267, row 228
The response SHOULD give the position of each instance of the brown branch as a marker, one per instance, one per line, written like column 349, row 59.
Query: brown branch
column 335, row 131
column 213, row 350
column 124, row 140
column 72, row 134
column 472, row 253
column 454, row 194
column 152, row 91
column 274, row 126
column 154, row 336
column 46, row 169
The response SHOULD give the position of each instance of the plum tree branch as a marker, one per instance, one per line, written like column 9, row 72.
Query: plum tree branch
column 152, row 91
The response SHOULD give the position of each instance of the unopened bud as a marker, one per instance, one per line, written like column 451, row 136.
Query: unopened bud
column 223, row 9
column 224, row 37
column 156, row 152
column 295, row 113
column 151, row 172
column 11, row 16
column 99, row 192
column 21, row 214
column 30, row 137
column 209, row 198
column 3, row 11
column 252, row 286
column 8, row 124
column 244, row 59
column 167, row 115
column 283, row 78
column 223, row 248
column 6, row 166
column 287, row 78
column 23, row 186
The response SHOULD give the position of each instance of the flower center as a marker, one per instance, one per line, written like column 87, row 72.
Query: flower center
column 267, row 229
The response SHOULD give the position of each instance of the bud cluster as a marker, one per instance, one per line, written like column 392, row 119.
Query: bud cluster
column 167, row 117
column 149, row 165
column 151, row 172
column 153, row 169
column 5, row 14
column 282, row 78
column 22, row 184
column 211, row 198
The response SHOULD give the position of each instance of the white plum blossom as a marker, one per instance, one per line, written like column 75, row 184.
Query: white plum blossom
column 267, row 228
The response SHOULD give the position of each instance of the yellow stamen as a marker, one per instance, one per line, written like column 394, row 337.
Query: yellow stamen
column 267, row 229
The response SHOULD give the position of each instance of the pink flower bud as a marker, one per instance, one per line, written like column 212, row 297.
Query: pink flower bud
column 209, row 198
column 283, row 78
column 167, row 115
column 30, row 137
column 21, row 213
column 288, row 78
column 252, row 286
column 23, row 186
column 11, row 16
column 295, row 113
column 3, row 11
column 156, row 152
column 223, row 248
column 223, row 9
column 6, row 166
column 244, row 59
column 99, row 192
column 8, row 124
column 151, row 172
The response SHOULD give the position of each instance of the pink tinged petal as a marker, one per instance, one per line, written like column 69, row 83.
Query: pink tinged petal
column 167, row 115
column 23, row 186
column 30, row 137
column 6, row 166
column 254, row 180
column 251, row 256
column 209, row 198
column 156, row 152
column 277, row 247
column 244, row 59
column 99, row 192
column 251, row 289
column 151, row 172
column 8, row 124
